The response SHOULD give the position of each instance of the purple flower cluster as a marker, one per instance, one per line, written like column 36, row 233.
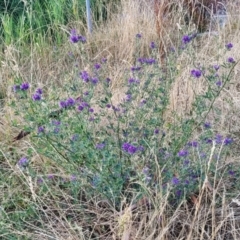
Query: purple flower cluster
column 216, row 67
column 37, row 96
column 133, row 80
column 229, row 46
column 70, row 102
column 86, row 77
column 23, row 162
column 149, row 61
column 152, row 45
column 183, row 153
column 75, row 38
column 23, row 86
column 83, row 105
column 196, row 73
column 135, row 68
column 129, row 148
column 231, row 60
column 138, row 35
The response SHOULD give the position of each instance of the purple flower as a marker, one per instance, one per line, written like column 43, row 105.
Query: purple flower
column 104, row 60
column 41, row 129
column 137, row 68
column 80, row 108
column 216, row 67
column 132, row 149
column 70, row 102
column 100, row 146
column 23, row 162
column 85, row 104
column 16, row 88
column 73, row 178
column 141, row 60
column 219, row 139
column 138, row 35
column 36, row 97
column 219, row 83
column 131, row 80
column 183, row 153
column 156, row 131
column 175, row 181
column 85, row 76
column 94, row 81
column 229, row 46
column 193, row 144
column 209, row 140
column 186, row 39
column 207, row 125
column 24, row 86
column 74, row 37
column 227, row 141
column 62, row 104
column 86, row 93
column 231, row 172
column 56, row 130
column 128, row 97
column 178, row 193
column 108, row 105
column 150, row 61
column 39, row 91
column 231, row 60
column 140, row 149
column 56, row 122
column 196, row 73
column 125, row 146
column 152, row 45
column 108, row 80
column 91, row 110
column 97, row 66
column 143, row 101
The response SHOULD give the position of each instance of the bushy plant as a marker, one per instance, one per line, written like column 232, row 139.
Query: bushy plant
column 116, row 150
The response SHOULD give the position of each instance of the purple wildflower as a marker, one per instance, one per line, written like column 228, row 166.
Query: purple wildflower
column 125, row 146
column 138, row 35
column 141, row 60
column 39, row 91
column 229, row 46
column 152, row 45
column 97, row 66
column 150, row 61
column 156, row 131
column 85, row 104
column 36, row 97
column 16, row 88
column 216, row 67
column 91, row 110
column 183, row 153
column 131, row 80
column 75, row 38
column 219, row 139
column 73, row 178
column 108, row 105
column 108, row 80
column 56, row 123
column 85, row 76
column 23, row 162
column 219, row 83
column 137, row 68
column 82, row 39
column 207, row 125
column 193, row 144
column 94, row 81
column 231, row 172
column 227, row 141
column 104, row 60
column 132, row 149
column 24, row 86
column 100, row 146
column 196, row 73
column 175, row 181
column 143, row 101
column 178, row 193
column 186, row 39
column 70, row 102
column 128, row 97
column 209, row 140
column 62, row 104
column 41, row 129
column 231, row 60
column 80, row 108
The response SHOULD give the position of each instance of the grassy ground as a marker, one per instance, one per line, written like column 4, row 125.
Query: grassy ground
column 152, row 154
